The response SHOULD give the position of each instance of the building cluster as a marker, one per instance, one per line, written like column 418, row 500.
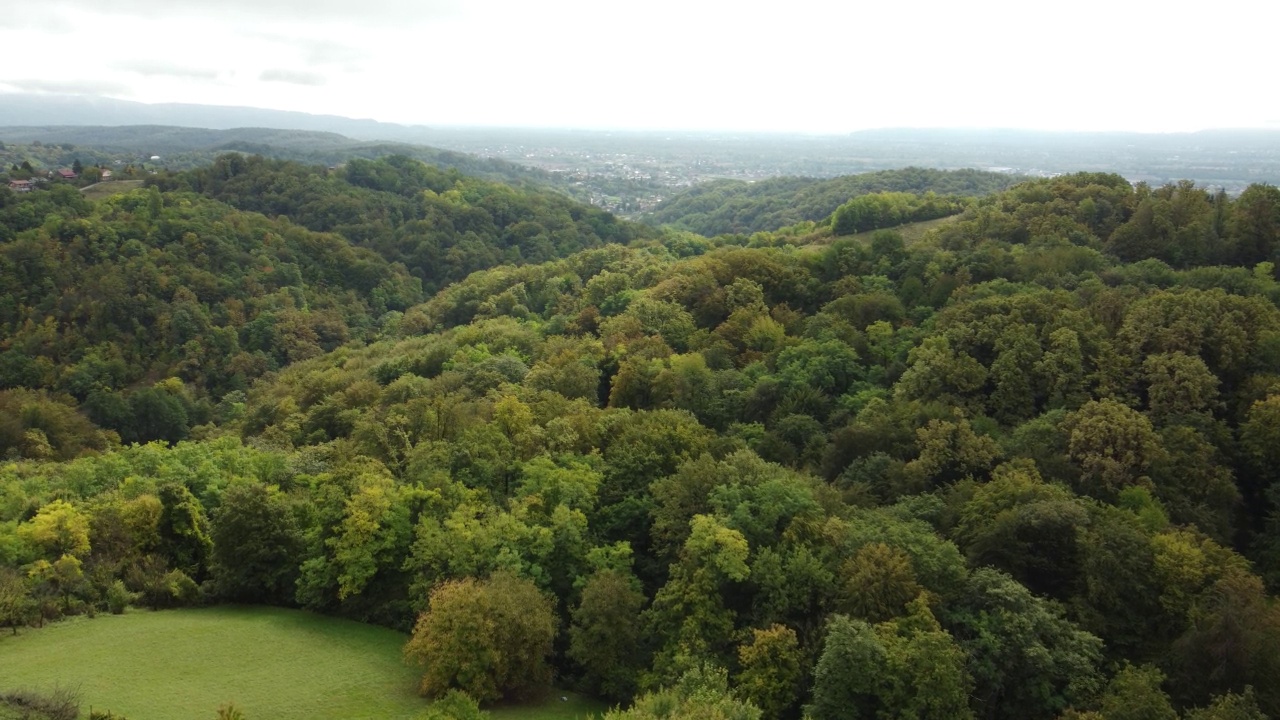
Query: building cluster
column 27, row 185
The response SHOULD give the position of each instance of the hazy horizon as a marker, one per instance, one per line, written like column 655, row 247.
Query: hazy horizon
column 802, row 67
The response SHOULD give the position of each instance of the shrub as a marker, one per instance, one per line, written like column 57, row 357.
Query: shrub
column 56, row 704
column 119, row 598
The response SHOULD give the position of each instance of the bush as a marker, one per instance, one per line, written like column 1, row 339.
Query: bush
column 455, row 705
column 161, row 590
column 56, row 704
column 119, row 598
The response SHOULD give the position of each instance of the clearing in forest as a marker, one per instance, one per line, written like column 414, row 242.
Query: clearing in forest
column 274, row 664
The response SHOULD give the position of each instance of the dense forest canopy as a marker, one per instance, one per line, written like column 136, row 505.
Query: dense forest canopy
column 1021, row 467
column 440, row 224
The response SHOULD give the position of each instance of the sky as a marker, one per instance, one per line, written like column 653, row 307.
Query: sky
column 790, row 65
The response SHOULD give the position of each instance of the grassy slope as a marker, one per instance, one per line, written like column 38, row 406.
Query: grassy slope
column 911, row 233
column 274, row 664
column 107, row 189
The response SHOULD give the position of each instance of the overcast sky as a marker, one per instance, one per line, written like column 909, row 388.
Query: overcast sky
column 672, row 64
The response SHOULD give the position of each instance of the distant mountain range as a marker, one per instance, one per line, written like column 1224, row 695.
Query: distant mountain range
column 23, row 109
column 1226, row 139
column 42, row 110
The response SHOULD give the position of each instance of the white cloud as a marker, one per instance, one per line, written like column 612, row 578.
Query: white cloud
column 151, row 67
column 68, row 87
column 292, row 77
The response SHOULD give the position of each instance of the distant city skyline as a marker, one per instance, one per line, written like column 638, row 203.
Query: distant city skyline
column 800, row 66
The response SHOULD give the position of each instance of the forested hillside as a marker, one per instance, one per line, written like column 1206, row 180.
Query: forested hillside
column 146, row 309
column 439, row 223
column 185, row 148
column 1022, row 467
column 734, row 206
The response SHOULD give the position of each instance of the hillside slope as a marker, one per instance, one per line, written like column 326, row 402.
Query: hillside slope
column 1022, row 467
column 733, row 206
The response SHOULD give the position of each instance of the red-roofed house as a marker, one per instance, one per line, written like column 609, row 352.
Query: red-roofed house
column 20, row 185
column 66, row 174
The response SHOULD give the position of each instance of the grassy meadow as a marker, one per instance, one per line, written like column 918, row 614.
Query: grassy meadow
column 107, row 189
column 274, row 664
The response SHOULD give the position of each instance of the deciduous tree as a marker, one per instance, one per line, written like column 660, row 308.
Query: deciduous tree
column 489, row 638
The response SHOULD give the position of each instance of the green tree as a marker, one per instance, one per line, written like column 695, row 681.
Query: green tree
column 1260, row 437
column 689, row 613
column 157, row 414
column 1229, row 707
column 455, row 705
column 1119, row 600
column 937, row 372
column 604, row 637
column 771, row 670
column 1113, row 444
column 489, row 638
column 1135, row 694
column 1062, row 369
column 1231, row 643
column 702, row 693
column 905, row 668
column 1026, row 658
column 1018, row 355
column 1255, row 224
column 183, row 530
column 256, row 544
column 877, row 583
column 16, row 604
column 1025, row 527
column 949, row 450
column 59, row 529
column 1179, row 385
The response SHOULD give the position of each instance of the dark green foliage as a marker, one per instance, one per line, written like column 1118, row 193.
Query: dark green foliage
column 183, row 530
column 604, row 638
column 103, row 298
column 256, row 542
column 902, row 669
column 39, row 425
column 1026, row 658
column 439, row 224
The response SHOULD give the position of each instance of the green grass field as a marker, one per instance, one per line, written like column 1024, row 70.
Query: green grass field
column 107, row 189
column 910, row 232
column 274, row 664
